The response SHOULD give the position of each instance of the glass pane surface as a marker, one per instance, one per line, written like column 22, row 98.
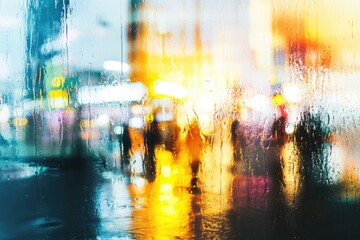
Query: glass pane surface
column 182, row 119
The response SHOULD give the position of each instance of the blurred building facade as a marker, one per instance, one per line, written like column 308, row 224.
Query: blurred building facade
column 207, row 47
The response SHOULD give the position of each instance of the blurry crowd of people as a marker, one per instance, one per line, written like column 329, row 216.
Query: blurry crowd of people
column 167, row 136
column 257, row 148
column 257, row 156
column 310, row 138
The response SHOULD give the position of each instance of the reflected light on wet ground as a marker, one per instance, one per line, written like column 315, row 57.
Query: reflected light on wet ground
column 165, row 208
column 292, row 177
column 114, row 203
column 16, row 171
column 161, row 208
column 231, row 204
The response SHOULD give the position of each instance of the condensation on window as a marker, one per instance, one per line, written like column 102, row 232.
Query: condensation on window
column 194, row 119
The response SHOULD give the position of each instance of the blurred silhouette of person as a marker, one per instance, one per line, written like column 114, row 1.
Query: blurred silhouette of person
column 152, row 139
column 194, row 143
column 310, row 137
column 278, row 132
column 275, row 178
column 235, row 140
column 251, row 148
column 276, row 142
column 171, row 137
column 127, row 146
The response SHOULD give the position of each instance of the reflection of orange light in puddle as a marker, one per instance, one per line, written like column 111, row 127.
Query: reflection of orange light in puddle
column 171, row 170
column 167, row 210
column 167, row 200
column 165, row 204
column 290, row 172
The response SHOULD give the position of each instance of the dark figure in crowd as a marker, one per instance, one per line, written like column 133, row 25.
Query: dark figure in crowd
column 235, row 139
column 275, row 180
column 250, row 148
column 152, row 139
column 277, row 140
column 310, row 136
column 194, row 144
column 171, row 137
column 278, row 133
column 125, row 141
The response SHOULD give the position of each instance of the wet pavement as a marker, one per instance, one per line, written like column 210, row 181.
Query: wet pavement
column 94, row 200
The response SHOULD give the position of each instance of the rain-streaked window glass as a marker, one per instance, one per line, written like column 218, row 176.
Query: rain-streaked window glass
column 182, row 119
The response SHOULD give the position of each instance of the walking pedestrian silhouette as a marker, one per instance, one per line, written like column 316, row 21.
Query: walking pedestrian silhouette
column 194, row 143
